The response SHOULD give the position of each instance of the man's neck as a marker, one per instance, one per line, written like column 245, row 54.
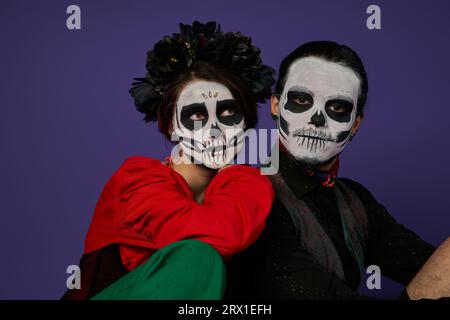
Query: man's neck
column 327, row 167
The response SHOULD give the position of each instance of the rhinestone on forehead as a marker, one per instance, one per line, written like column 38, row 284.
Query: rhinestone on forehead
column 210, row 95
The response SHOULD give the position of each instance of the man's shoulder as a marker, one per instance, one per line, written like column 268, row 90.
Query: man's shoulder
column 361, row 191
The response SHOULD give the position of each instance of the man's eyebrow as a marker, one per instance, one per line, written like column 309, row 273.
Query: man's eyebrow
column 301, row 89
column 340, row 97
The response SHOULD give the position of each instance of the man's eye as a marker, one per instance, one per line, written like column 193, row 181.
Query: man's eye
column 300, row 100
column 227, row 112
column 197, row 116
column 337, row 108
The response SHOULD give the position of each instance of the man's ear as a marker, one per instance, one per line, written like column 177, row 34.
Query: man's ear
column 275, row 105
column 357, row 124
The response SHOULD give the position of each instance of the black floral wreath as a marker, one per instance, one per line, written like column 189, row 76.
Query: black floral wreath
column 206, row 42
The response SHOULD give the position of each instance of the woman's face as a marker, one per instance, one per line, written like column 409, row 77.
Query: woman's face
column 208, row 123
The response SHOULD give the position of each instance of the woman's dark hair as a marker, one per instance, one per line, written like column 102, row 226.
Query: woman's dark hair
column 201, row 70
column 329, row 51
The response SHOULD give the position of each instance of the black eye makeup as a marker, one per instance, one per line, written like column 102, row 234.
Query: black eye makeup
column 228, row 112
column 339, row 110
column 298, row 101
column 193, row 112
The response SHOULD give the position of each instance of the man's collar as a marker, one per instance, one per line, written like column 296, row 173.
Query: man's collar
column 301, row 179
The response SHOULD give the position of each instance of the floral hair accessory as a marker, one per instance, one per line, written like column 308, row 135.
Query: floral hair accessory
column 174, row 55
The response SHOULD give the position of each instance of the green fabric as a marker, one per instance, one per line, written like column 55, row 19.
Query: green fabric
column 183, row 270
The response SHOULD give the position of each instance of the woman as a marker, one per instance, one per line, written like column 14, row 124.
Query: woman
column 161, row 230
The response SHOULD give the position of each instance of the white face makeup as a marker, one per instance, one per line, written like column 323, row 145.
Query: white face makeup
column 208, row 124
column 317, row 109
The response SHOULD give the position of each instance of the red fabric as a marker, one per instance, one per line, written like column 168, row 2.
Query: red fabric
column 147, row 205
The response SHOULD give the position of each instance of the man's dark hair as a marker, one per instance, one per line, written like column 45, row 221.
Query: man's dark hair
column 329, row 51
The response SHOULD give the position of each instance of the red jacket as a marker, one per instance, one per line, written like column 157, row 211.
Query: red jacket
column 146, row 205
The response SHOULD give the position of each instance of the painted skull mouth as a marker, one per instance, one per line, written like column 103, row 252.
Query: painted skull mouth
column 219, row 145
column 311, row 139
column 312, row 134
column 215, row 148
column 311, row 143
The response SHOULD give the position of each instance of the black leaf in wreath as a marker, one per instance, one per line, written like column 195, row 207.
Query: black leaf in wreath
column 145, row 98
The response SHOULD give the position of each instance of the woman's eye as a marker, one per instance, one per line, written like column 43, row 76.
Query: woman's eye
column 197, row 116
column 227, row 113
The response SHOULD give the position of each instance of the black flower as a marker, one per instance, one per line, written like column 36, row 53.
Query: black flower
column 168, row 58
column 146, row 98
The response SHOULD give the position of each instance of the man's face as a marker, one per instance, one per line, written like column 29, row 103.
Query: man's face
column 317, row 109
column 209, row 124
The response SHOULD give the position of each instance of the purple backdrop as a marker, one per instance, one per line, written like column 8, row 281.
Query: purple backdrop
column 67, row 120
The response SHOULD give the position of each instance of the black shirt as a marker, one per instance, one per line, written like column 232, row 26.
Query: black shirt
column 277, row 266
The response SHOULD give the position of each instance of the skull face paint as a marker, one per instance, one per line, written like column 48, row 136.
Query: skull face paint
column 209, row 124
column 317, row 109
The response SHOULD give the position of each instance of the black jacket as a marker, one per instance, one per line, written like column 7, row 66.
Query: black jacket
column 276, row 266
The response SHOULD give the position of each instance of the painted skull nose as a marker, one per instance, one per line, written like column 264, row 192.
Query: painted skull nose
column 215, row 131
column 318, row 119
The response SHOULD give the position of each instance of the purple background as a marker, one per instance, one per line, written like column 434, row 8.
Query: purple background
column 67, row 121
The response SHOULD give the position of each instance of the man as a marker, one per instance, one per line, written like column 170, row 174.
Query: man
column 323, row 231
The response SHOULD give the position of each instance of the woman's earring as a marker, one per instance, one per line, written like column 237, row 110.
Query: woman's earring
column 352, row 135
